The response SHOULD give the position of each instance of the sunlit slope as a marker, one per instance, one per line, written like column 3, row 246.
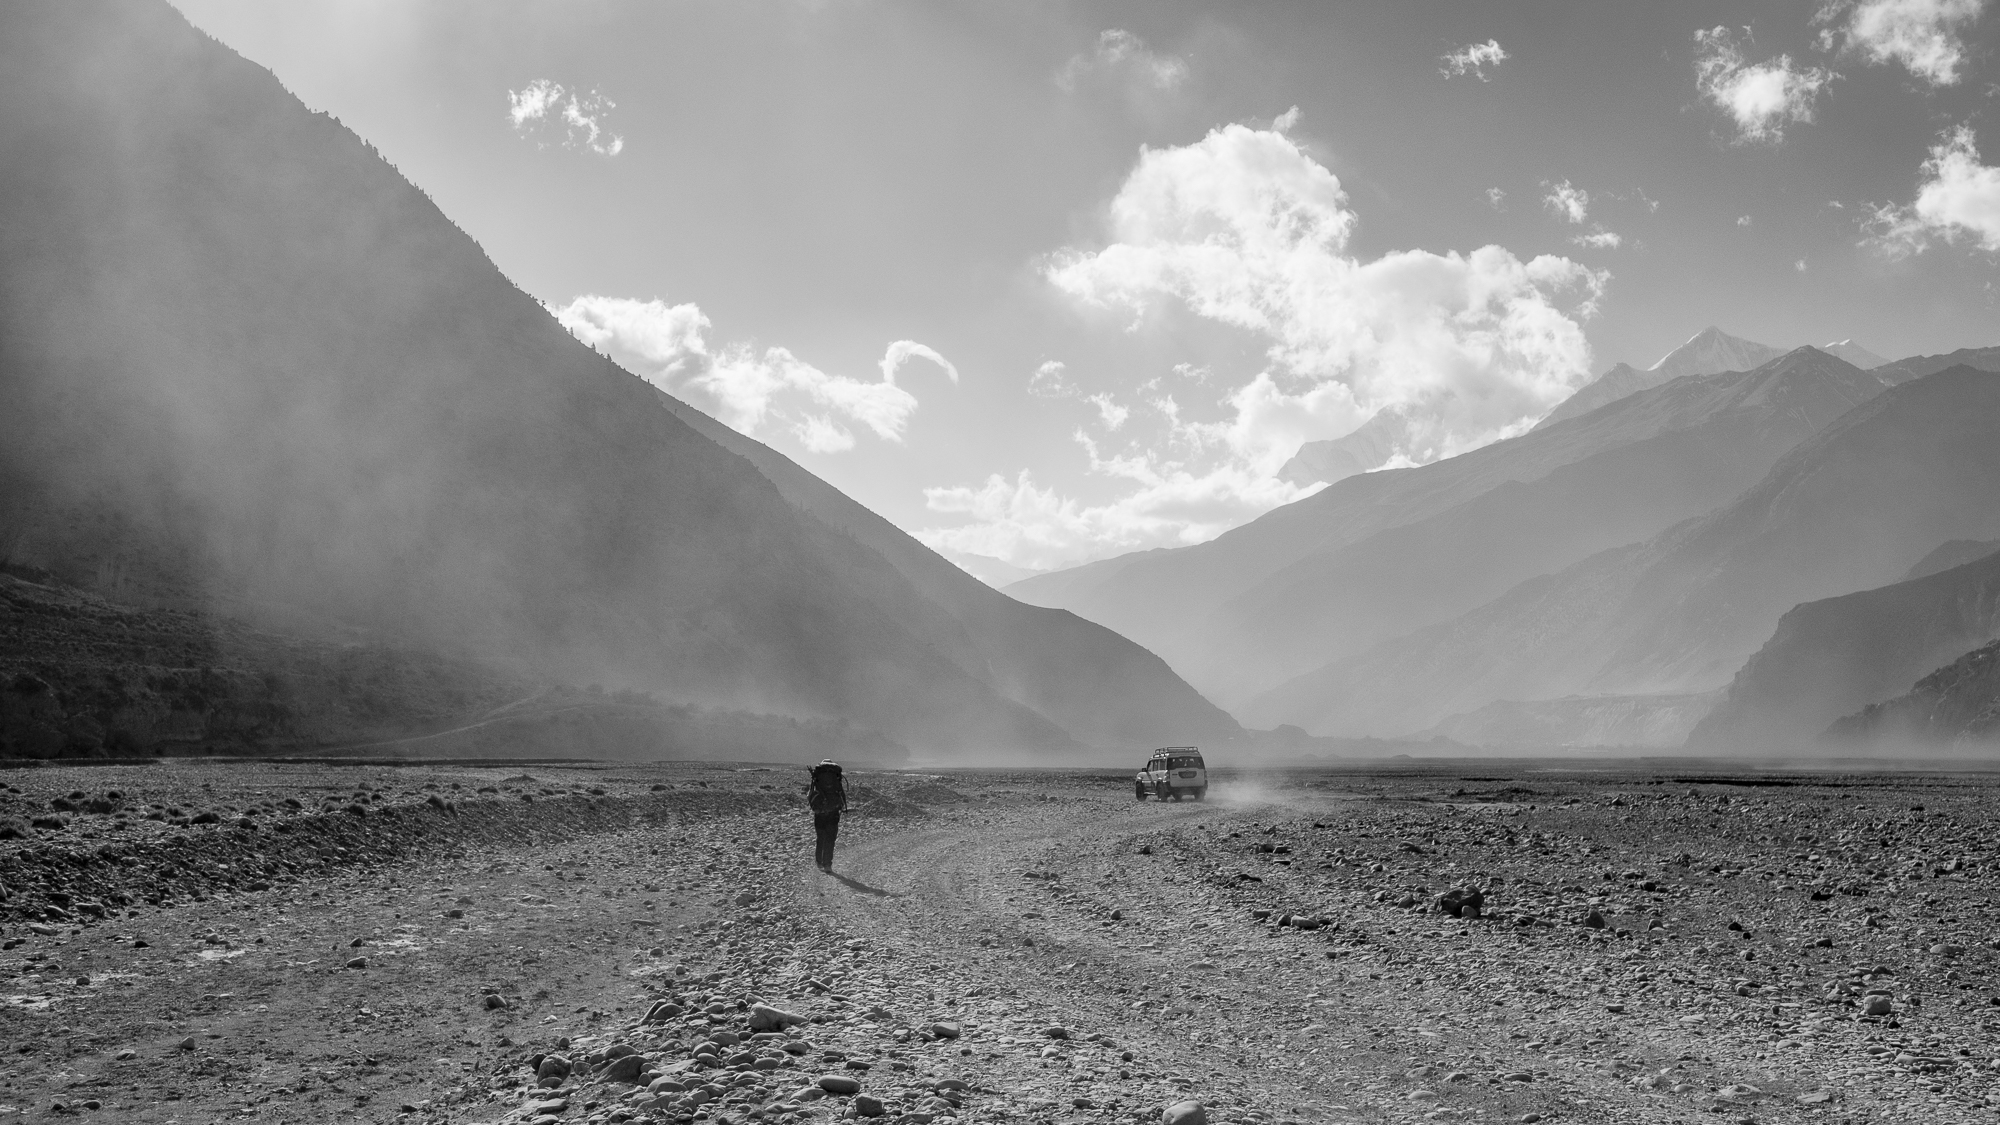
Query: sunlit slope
column 1853, row 507
column 248, row 364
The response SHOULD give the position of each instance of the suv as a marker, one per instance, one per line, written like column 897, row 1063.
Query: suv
column 1173, row 771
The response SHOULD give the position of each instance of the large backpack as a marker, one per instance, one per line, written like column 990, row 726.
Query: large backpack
column 826, row 794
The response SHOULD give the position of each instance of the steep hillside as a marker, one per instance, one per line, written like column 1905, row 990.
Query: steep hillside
column 1956, row 706
column 1834, row 656
column 1095, row 683
column 253, row 372
column 1850, row 508
column 1729, row 430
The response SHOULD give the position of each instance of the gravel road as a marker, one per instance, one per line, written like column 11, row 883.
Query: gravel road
column 653, row 944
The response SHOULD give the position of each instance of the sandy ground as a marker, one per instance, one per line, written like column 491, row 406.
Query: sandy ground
column 1651, row 947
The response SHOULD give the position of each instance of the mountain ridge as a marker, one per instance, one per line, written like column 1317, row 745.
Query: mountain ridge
column 250, row 365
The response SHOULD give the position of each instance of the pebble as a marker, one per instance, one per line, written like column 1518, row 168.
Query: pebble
column 1184, row 1113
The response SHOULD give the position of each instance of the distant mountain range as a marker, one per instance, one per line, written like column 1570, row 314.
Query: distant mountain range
column 1600, row 578
column 1853, row 506
column 1708, row 352
column 255, row 376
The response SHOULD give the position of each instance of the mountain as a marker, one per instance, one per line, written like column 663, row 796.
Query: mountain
column 1957, row 706
column 1609, row 387
column 1948, row 556
column 1855, row 354
column 1377, row 555
column 1728, row 431
column 1710, row 351
column 1850, row 508
column 994, row 572
column 1096, row 684
column 255, row 376
column 1834, row 656
column 1364, row 450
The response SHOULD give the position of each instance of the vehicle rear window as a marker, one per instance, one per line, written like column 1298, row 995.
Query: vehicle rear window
column 1184, row 763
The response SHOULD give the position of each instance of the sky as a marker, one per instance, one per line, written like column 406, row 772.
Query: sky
column 1052, row 282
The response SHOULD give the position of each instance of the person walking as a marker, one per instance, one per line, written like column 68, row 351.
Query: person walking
column 827, row 798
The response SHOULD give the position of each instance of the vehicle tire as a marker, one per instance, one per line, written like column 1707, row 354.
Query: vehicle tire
column 1201, row 794
column 1177, row 794
column 1139, row 792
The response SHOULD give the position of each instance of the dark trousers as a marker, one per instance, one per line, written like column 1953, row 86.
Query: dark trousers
column 827, row 826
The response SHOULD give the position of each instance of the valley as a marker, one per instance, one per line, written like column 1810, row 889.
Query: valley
column 1651, row 944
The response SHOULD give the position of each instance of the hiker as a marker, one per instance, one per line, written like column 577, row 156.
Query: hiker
column 826, row 797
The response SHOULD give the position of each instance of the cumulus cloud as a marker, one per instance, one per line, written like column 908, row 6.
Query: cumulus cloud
column 1572, row 203
column 1742, row 220
column 1121, row 53
column 1598, row 238
column 750, row 391
column 1959, row 197
column 1244, row 229
column 1926, row 36
column 1473, row 59
column 572, row 118
column 1496, row 199
column 1760, row 98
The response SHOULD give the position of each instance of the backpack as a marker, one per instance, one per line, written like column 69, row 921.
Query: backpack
column 826, row 794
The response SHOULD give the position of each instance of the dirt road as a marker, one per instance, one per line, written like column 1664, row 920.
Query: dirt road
column 1008, row 947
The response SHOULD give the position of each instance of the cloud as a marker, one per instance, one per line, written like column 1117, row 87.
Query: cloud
column 1112, row 414
column 1925, row 36
column 1958, row 198
column 543, row 108
column 1742, row 220
column 1496, row 199
column 1760, row 98
column 1473, row 59
column 1051, row 380
column 901, row 350
column 1598, row 238
column 1244, row 229
column 1572, row 203
column 1121, row 53
column 752, row 392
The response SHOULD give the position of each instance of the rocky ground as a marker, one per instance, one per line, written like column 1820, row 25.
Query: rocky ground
column 276, row 942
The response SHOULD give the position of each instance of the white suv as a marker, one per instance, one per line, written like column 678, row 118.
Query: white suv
column 1173, row 772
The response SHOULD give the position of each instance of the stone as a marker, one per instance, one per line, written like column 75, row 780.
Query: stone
column 552, row 1066
column 838, row 1084
column 1877, row 1004
column 945, row 1029
column 357, row 963
column 1184, row 1113
column 763, row 1017
column 624, row 1068
column 866, row 1106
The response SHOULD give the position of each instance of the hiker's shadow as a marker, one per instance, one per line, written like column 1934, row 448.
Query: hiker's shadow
column 860, row 887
